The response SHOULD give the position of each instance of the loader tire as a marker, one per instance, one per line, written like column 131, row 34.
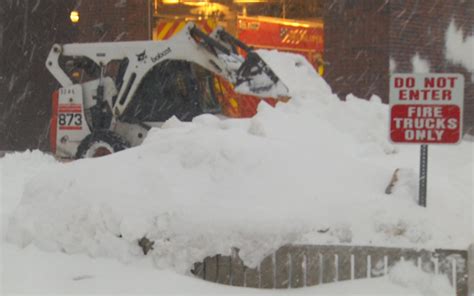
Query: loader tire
column 101, row 143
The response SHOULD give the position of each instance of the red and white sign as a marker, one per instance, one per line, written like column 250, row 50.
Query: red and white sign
column 426, row 108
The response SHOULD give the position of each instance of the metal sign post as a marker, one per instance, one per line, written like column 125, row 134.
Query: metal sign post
column 426, row 109
column 423, row 175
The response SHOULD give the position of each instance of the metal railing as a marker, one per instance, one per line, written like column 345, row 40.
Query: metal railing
column 295, row 266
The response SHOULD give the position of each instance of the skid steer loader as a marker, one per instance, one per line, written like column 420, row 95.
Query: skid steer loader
column 112, row 93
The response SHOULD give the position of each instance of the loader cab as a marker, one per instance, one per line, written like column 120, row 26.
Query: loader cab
column 173, row 88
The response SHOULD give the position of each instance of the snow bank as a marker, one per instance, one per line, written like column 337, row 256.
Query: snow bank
column 17, row 169
column 200, row 188
column 407, row 275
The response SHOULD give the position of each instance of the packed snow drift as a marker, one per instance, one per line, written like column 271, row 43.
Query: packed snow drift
column 202, row 187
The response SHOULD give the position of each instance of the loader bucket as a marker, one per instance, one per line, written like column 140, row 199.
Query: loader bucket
column 255, row 77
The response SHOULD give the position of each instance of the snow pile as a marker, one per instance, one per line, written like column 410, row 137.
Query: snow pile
column 296, row 77
column 313, row 170
column 296, row 73
column 407, row 275
column 16, row 169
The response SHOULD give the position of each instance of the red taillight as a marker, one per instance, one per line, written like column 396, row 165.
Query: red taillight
column 53, row 127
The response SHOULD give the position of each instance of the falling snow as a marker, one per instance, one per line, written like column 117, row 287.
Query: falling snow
column 460, row 49
column 419, row 64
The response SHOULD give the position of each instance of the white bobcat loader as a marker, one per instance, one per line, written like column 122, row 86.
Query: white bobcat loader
column 113, row 93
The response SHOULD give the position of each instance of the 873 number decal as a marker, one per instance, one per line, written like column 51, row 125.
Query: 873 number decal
column 73, row 120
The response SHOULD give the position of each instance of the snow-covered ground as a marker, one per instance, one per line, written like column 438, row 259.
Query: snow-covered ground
column 36, row 272
column 33, row 271
column 200, row 188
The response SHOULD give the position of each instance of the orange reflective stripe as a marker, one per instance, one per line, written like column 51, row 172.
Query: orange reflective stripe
column 321, row 70
column 227, row 99
column 180, row 27
column 227, row 86
column 160, row 27
column 172, row 30
column 206, row 27
column 167, row 29
column 164, row 31
column 233, row 102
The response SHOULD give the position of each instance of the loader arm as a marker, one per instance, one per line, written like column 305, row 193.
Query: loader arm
column 216, row 52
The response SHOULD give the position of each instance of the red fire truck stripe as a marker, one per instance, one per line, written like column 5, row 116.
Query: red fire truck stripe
column 69, row 110
column 61, row 107
column 70, row 127
column 69, row 105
